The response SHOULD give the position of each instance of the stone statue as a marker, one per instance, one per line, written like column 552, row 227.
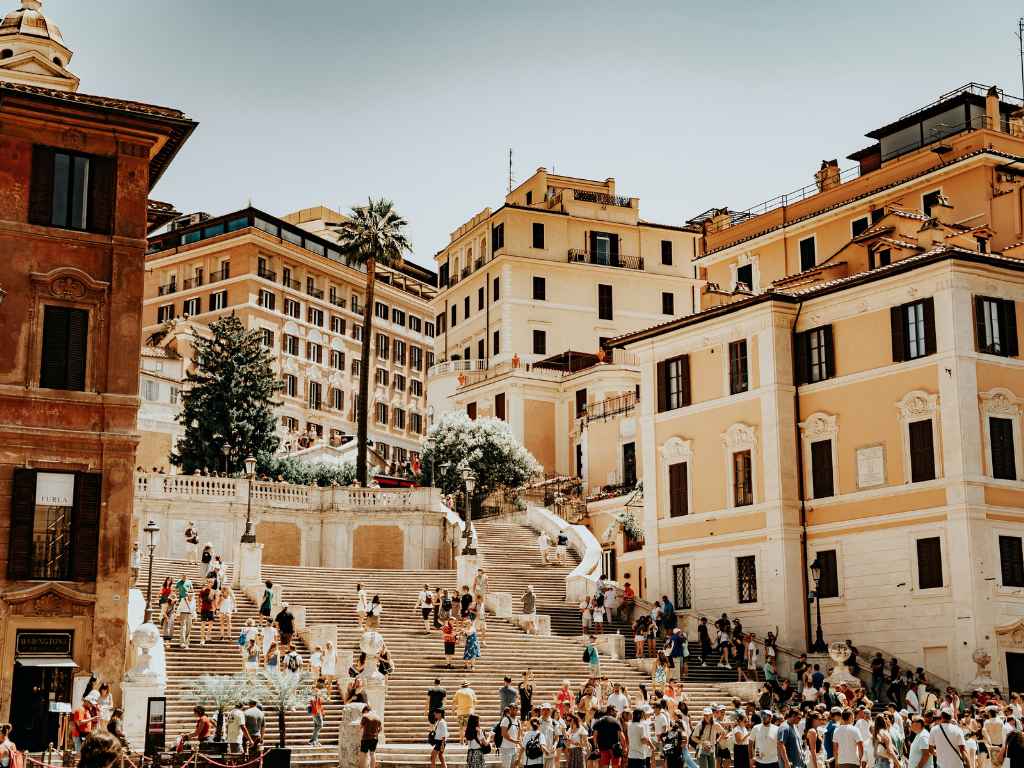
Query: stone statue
column 144, row 639
column 839, row 652
column 983, row 680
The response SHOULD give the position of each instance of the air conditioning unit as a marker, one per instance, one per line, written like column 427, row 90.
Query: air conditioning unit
column 187, row 221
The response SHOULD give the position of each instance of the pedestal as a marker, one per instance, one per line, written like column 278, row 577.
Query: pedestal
column 466, row 569
column 611, row 647
column 135, row 702
column 348, row 735
column 745, row 691
column 375, row 685
column 541, row 623
column 499, row 604
column 250, row 565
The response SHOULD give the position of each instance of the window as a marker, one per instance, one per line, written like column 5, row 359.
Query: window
column 428, row 327
column 929, row 200
column 601, row 247
column 922, row 451
column 357, row 367
column 175, row 393
column 745, row 277
column 415, row 324
column 191, row 307
column 471, row 410
column 383, row 344
column 380, row 310
column 496, row 293
column 416, row 423
column 529, row 198
column 337, row 360
column 1011, row 561
column 581, row 402
column 742, row 480
column 538, row 235
column 540, row 343
column 666, row 252
column 315, row 316
column 480, row 349
column 338, row 324
column 877, row 215
column 267, row 299
column 291, row 385
column 815, row 355
column 668, row 303
column 58, row 539
column 678, row 489
column 357, row 332
column 608, row 564
column 267, row 338
column 480, row 298
column 398, row 316
column 884, row 258
column 1004, row 463
column 338, row 399
column 399, row 418
column 496, row 343
column 499, row 406
column 913, row 330
column 465, row 307
column 822, row 480
column 382, row 377
column 314, row 352
column 746, row 579
column 356, row 305
column 683, row 591
column 604, row 302
column 165, row 312
column 929, row 563
column 859, row 225
column 465, row 354
column 430, row 359
column 443, row 275
column 315, row 389
column 399, row 382
column 292, row 308
column 673, row 383
column 316, row 429
column 497, row 237
column 416, row 388
column 381, row 411
column 996, row 323
column 290, row 423
column 64, row 350
column 72, row 191
column 455, row 311
column 738, row 375
column 218, row 300
column 828, row 581
column 291, row 344
column 539, row 289
column 808, row 254
column 150, row 390
column 399, row 350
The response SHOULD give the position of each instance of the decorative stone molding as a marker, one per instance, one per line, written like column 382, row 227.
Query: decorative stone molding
column 1011, row 635
column 1001, row 403
column 917, row 405
column 676, row 449
column 817, row 427
column 46, row 599
column 739, row 437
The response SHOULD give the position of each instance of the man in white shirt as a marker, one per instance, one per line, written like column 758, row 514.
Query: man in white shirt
column 544, row 545
column 848, row 744
column 549, row 727
column 638, row 733
column 509, row 725
column 661, row 725
column 764, row 740
column 947, row 743
column 233, row 725
column 920, row 754
column 863, row 723
column 535, row 746
column 619, row 700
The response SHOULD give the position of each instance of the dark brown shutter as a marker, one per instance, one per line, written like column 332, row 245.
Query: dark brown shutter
column 102, row 194
column 54, row 365
column 922, row 451
column 85, row 525
column 614, row 250
column 800, row 355
column 896, row 315
column 677, row 490
column 78, row 344
column 929, row 563
column 929, row 325
column 40, row 194
column 684, row 373
column 830, row 352
column 821, row 469
column 593, row 244
column 23, row 512
column 979, row 323
column 1011, row 557
column 1010, row 314
column 662, row 372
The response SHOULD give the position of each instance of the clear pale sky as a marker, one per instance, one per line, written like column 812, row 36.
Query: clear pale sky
column 688, row 105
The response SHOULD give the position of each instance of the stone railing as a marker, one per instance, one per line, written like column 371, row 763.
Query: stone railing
column 582, row 580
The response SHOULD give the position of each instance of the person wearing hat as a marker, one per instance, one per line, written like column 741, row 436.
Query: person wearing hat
column 708, row 734
column 84, row 718
column 553, row 730
column 465, row 704
column 530, row 610
column 764, row 737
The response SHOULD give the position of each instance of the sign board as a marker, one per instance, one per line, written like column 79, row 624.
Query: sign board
column 870, row 466
column 61, row 707
column 44, row 644
column 156, row 725
column 55, row 489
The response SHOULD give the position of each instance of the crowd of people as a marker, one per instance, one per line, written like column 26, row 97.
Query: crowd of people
column 459, row 615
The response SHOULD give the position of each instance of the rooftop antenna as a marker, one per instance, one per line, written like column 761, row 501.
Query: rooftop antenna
column 510, row 163
column 1020, row 40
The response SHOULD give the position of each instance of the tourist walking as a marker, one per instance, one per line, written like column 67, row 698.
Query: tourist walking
column 234, row 726
column 704, row 638
column 435, row 699
column 373, row 613
column 476, row 739
column 186, row 615
column 592, row 656
column 369, row 726
column 586, row 615
column 530, row 610
column 438, row 740
column 285, row 621
column 597, row 613
column 267, row 602
column 947, row 743
column 448, row 638
column 315, row 708
column 226, row 609
column 471, row 651
column 192, row 543
column 254, row 721
column 362, row 605
column 465, row 704
column 507, row 736
column 480, row 584
column 525, row 696
column 425, row 604
column 329, row 668
column 207, row 598
column 506, row 694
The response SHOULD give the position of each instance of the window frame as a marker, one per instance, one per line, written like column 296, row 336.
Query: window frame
column 943, row 559
column 605, row 302
column 666, row 253
column 1003, row 583
column 853, row 225
column 737, row 366
column 540, row 335
column 813, row 240
column 751, row 556
column 684, row 602
column 1001, row 403
column 819, row 427
column 538, row 227
column 540, row 288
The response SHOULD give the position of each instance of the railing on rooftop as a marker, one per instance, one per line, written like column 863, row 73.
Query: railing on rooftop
column 623, row 404
column 455, row 366
column 601, row 198
column 476, row 371
column 578, row 256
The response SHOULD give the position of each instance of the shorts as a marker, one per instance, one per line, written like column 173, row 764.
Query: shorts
column 368, row 745
column 439, row 746
column 449, row 649
column 606, row 757
column 206, row 615
column 425, row 612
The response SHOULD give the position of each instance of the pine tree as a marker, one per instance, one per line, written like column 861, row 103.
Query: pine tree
column 229, row 399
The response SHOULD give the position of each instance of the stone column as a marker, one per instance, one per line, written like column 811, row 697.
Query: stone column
column 348, row 735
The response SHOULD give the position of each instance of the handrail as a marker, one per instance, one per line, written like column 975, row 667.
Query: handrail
column 601, row 198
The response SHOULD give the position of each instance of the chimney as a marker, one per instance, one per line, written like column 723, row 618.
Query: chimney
column 930, row 235
column 720, row 220
column 942, row 210
column 827, row 176
column 991, row 110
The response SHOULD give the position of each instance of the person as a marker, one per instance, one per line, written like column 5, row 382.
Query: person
column 847, row 743
column 480, row 584
column 84, row 718
column 425, row 604
column 1013, row 750
column 234, row 727
column 551, row 727
column 254, row 720
column 877, row 677
column 471, row 650
column 115, row 726
column 885, row 751
column 370, row 726
column 790, row 755
column 597, row 613
column 435, row 699
column 329, row 668
column 100, row 750
column 226, row 609
column 660, row 673
column 544, row 545
column 315, row 708
column 704, row 637
column 586, row 615
column 739, row 736
column 206, row 561
column 105, row 704
column 465, row 704
column 438, row 738
column 618, row 700
column 448, row 637
column 192, row 543
column 576, row 739
column 362, row 605
column 465, row 600
column 292, row 661
column 355, row 692
column 203, row 730
column 608, row 736
column 373, row 613
column 535, row 745
column 592, row 656
column 475, row 739
column 506, row 694
column 947, row 742
column 285, row 621
column 530, row 610
column 920, row 752
column 267, row 601
column 316, row 664
column 8, row 749
column 764, row 737
column 207, row 597
column 638, row 735
column 678, row 651
column 506, row 738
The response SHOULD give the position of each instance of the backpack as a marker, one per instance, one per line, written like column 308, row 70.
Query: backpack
column 498, row 738
column 533, row 748
column 586, row 655
column 241, row 639
column 293, row 663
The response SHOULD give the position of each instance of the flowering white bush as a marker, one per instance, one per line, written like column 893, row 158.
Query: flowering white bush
column 485, row 446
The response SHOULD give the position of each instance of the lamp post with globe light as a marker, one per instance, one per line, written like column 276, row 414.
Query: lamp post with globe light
column 151, row 530
column 819, row 645
column 249, row 537
column 469, row 478
column 226, row 450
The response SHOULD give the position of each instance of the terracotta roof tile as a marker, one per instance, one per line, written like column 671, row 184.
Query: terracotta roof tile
column 106, row 102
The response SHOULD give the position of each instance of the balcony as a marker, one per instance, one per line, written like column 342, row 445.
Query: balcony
column 577, row 256
column 166, row 290
column 267, row 274
column 613, row 406
column 220, row 274
column 600, row 198
column 466, row 271
column 192, row 282
column 316, row 293
column 337, row 301
column 287, row 282
column 455, row 366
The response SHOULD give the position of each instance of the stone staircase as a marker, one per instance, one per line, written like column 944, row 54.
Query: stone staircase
column 512, row 561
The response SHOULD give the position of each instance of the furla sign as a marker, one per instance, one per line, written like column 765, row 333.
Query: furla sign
column 55, row 489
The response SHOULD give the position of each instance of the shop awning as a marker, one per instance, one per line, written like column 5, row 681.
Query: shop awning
column 46, row 661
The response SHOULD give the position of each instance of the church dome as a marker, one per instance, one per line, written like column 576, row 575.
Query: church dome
column 30, row 21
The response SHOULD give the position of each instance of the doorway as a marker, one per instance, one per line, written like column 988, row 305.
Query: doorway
column 1015, row 672
column 32, row 691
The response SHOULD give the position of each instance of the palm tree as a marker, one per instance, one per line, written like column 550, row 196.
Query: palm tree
column 373, row 235
column 284, row 691
column 218, row 692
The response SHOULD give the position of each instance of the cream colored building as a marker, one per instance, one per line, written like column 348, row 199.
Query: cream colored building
column 286, row 278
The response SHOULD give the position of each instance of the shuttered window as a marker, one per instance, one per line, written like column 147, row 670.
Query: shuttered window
column 540, row 343
column 65, row 345
column 913, row 330
column 581, row 402
column 673, row 383
column 828, row 581
column 738, row 375
column 538, row 235
column 1004, row 462
column 1011, row 561
column 471, row 410
column 922, row 451
column 604, row 302
column 929, row 563
column 822, row 481
column 666, row 252
column 540, row 292
column 995, row 322
column 499, row 406
column 678, row 489
column 72, row 190
column 815, row 355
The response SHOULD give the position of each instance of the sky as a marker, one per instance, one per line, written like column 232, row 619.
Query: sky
column 687, row 105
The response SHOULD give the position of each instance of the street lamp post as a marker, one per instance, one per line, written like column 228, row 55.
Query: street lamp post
column 249, row 537
column 470, row 480
column 819, row 639
column 226, row 450
column 151, row 530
